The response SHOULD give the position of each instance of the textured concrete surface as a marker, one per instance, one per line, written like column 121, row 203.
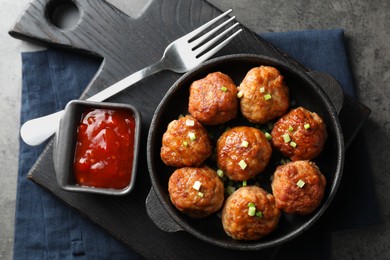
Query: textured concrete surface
column 367, row 29
column 10, row 78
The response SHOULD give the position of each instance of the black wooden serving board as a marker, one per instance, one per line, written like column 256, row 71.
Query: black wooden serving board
column 127, row 45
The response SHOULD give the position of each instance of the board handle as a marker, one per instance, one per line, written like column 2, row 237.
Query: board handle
column 93, row 30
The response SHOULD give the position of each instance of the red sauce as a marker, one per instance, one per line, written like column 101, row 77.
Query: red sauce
column 105, row 148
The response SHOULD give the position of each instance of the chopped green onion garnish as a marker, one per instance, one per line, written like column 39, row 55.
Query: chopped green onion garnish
column 242, row 164
column 197, row 185
column 259, row 214
column 293, row 144
column 300, row 183
column 224, row 89
column 251, row 204
column 185, row 143
column 240, row 94
column 192, row 136
column 268, row 136
column 262, row 90
column 220, row 173
column 243, row 183
column 290, row 128
column 230, row 189
column 251, row 211
column 286, row 138
column 244, row 144
column 190, row 122
column 200, row 194
column 267, row 96
column 306, row 126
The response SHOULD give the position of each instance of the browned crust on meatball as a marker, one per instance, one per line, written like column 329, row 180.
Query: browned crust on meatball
column 309, row 142
column 230, row 152
column 187, row 199
column 254, row 106
column 236, row 221
column 209, row 103
column 294, row 199
column 179, row 150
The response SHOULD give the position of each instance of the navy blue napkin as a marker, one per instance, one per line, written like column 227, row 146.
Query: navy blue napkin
column 318, row 50
column 47, row 228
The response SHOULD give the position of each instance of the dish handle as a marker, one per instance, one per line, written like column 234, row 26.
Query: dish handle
column 351, row 112
column 331, row 87
column 159, row 215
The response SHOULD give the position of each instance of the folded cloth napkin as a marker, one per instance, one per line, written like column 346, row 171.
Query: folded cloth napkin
column 45, row 228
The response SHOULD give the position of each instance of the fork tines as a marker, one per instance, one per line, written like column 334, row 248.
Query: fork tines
column 197, row 40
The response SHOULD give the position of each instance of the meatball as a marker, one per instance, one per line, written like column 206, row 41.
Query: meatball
column 240, row 223
column 298, row 187
column 196, row 191
column 243, row 152
column 265, row 95
column 213, row 99
column 300, row 134
column 185, row 143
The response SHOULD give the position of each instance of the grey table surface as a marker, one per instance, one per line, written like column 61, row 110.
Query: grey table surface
column 367, row 31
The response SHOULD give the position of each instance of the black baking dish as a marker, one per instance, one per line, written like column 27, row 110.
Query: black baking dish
column 304, row 90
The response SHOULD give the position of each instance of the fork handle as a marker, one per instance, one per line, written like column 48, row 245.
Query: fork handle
column 127, row 82
column 38, row 130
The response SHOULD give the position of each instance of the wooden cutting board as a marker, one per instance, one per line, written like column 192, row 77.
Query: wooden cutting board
column 126, row 45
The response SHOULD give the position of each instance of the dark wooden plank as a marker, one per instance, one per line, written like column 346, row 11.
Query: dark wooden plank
column 127, row 45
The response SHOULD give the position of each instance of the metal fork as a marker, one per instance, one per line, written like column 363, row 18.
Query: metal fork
column 180, row 56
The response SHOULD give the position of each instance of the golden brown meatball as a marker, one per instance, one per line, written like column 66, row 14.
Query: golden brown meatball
column 243, row 152
column 242, row 223
column 265, row 95
column 213, row 99
column 185, row 143
column 197, row 192
column 298, row 187
column 300, row 134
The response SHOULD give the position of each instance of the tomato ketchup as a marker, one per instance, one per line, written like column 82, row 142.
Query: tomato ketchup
column 105, row 148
